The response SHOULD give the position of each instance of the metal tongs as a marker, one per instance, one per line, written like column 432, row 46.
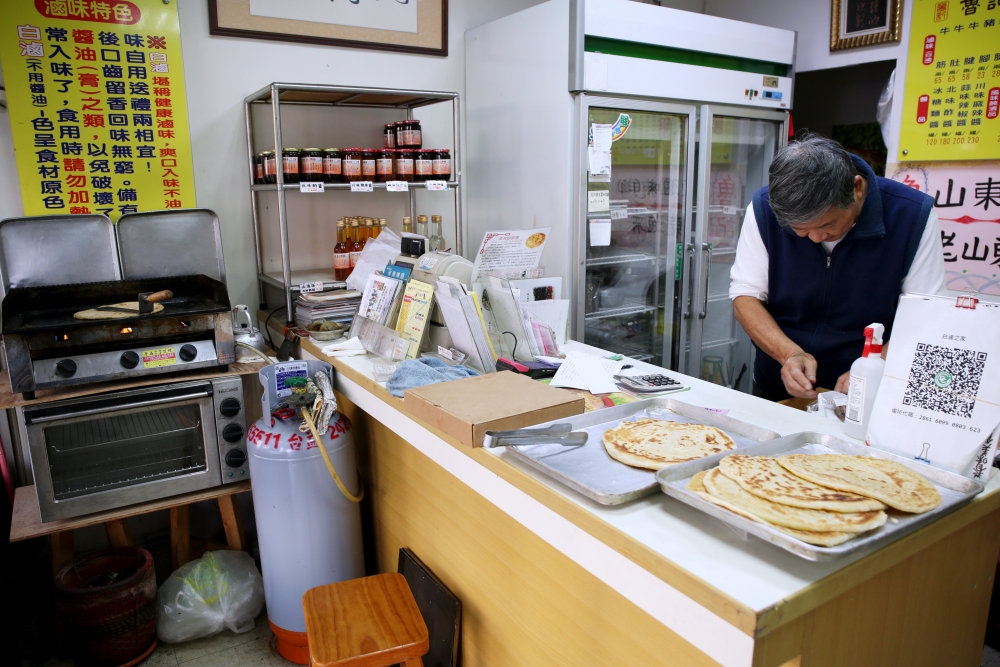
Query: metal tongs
column 557, row 434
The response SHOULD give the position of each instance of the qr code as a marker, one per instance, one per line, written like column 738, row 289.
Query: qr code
column 945, row 379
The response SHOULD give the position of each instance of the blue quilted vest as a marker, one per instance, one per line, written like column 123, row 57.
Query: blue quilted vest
column 824, row 302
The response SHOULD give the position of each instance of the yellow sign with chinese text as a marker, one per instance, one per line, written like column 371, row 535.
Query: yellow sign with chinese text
column 95, row 90
column 952, row 96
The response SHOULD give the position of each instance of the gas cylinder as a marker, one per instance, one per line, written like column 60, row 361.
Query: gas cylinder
column 309, row 532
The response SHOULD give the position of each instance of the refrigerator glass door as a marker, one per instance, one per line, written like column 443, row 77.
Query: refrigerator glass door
column 630, row 224
column 741, row 144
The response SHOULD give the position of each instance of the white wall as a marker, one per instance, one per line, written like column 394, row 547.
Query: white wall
column 221, row 71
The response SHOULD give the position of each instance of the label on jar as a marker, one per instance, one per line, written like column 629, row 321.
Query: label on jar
column 390, row 140
column 260, row 171
column 404, row 137
column 414, row 137
column 331, row 166
column 352, row 168
column 383, row 166
column 354, row 258
column 368, row 167
column 397, row 186
column 312, row 165
column 311, row 186
column 269, row 163
column 442, row 167
column 404, row 166
column 290, row 165
column 341, row 260
column 361, row 186
column 423, row 166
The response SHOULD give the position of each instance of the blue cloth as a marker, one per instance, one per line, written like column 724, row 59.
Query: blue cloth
column 426, row 370
column 822, row 302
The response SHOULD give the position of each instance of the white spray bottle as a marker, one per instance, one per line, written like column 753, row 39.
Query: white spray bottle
column 866, row 374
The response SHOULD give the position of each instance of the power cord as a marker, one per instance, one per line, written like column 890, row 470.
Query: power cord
column 267, row 330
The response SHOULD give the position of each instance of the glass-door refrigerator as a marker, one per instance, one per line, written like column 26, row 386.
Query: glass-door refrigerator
column 735, row 149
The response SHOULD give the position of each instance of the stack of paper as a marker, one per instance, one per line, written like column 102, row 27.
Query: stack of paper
column 338, row 305
column 595, row 374
column 413, row 313
column 462, row 315
column 381, row 299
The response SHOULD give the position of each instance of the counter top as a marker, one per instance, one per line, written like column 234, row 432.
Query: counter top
column 717, row 588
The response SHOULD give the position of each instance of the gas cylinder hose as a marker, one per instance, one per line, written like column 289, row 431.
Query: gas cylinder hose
column 255, row 351
column 329, row 463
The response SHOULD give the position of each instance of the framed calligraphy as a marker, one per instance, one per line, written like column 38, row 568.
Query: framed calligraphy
column 855, row 23
column 388, row 25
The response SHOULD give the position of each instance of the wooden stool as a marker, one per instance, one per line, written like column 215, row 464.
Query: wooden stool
column 367, row 622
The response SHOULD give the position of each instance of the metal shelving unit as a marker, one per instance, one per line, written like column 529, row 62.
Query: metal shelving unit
column 276, row 96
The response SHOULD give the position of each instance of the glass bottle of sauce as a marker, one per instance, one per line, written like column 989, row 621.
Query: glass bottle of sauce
column 311, row 164
column 404, row 164
column 441, row 168
column 369, row 230
column 423, row 161
column 436, row 240
column 258, row 168
column 402, row 134
column 341, row 253
column 333, row 165
column 416, row 140
column 422, row 225
column 368, row 164
column 356, row 243
column 381, row 226
column 389, row 136
column 290, row 164
column 407, row 225
column 384, row 165
column 352, row 164
column 270, row 168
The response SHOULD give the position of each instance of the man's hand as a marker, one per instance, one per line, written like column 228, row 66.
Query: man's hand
column 799, row 373
column 843, row 383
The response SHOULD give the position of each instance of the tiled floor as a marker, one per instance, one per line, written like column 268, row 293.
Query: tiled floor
column 226, row 649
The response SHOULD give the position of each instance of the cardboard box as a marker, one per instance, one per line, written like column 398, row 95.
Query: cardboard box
column 465, row 409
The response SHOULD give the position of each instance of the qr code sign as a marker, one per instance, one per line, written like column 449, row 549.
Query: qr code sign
column 945, row 379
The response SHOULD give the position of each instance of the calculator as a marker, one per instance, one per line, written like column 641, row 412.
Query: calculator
column 648, row 384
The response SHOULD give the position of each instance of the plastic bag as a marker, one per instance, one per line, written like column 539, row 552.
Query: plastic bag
column 220, row 589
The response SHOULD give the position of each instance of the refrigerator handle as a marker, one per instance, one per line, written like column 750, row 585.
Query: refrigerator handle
column 690, row 295
column 706, row 248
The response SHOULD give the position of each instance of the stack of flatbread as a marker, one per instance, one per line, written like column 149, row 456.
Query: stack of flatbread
column 822, row 499
column 656, row 443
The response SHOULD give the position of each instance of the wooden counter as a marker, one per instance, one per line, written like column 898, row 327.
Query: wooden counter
column 549, row 577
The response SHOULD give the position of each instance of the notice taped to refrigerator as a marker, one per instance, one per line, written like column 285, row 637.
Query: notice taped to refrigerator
column 939, row 400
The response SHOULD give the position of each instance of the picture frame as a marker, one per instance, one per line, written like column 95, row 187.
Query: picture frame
column 855, row 23
column 405, row 26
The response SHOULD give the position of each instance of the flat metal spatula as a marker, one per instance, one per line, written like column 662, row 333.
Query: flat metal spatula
column 557, row 434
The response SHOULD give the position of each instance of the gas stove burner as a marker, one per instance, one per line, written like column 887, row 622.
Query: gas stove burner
column 47, row 347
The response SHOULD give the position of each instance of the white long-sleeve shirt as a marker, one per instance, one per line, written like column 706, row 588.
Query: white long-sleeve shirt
column 750, row 270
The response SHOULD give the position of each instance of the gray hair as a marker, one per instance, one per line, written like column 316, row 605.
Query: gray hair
column 807, row 177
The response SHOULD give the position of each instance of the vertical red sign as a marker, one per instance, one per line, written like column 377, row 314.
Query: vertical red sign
column 993, row 103
column 929, row 42
column 922, row 103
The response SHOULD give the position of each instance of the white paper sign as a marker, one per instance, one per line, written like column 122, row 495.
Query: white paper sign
column 600, row 134
column 361, row 186
column 436, row 186
column 619, row 213
column 598, row 201
column 600, row 232
column 599, row 161
column 939, row 399
column 506, row 251
column 309, row 288
column 397, row 186
column 311, row 186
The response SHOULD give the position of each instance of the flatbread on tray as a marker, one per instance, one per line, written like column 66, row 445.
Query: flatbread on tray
column 828, row 539
column 891, row 482
column 798, row 518
column 763, row 477
column 94, row 314
column 656, row 443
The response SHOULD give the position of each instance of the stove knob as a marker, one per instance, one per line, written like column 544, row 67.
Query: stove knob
column 129, row 359
column 232, row 433
column 230, row 407
column 188, row 352
column 66, row 368
column 235, row 458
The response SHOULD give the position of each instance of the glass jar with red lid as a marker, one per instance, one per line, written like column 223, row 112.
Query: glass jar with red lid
column 290, row 164
column 416, row 140
column 352, row 164
column 404, row 164
column 333, row 168
column 441, row 168
column 311, row 164
column 400, row 132
column 368, row 164
column 384, row 165
column 423, row 164
column 389, row 136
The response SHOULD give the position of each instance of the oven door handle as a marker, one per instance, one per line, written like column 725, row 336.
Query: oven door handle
column 125, row 406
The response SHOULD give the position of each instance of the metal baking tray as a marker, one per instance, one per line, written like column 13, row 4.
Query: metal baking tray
column 591, row 470
column 955, row 491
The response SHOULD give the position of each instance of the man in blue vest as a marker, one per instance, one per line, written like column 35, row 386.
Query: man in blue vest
column 825, row 250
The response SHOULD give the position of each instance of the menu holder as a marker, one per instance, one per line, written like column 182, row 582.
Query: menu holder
column 379, row 339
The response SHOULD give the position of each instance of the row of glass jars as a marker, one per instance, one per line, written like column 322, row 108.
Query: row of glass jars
column 335, row 165
column 403, row 134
